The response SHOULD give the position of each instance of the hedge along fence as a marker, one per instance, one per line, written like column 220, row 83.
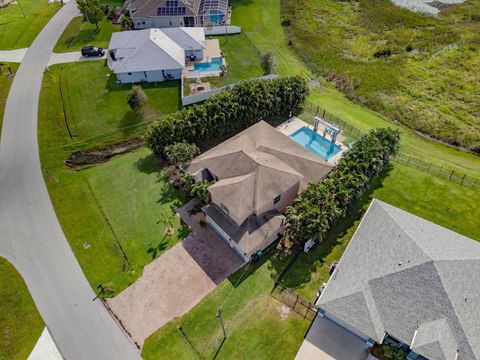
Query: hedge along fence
column 232, row 110
column 326, row 201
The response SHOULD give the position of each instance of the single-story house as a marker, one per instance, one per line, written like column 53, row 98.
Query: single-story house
column 176, row 13
column 257, row 174
column 404, row 281
column 154, row 54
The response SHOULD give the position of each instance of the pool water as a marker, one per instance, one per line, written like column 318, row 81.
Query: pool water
column 216, row 17
column 315, row 143
column 214, row 65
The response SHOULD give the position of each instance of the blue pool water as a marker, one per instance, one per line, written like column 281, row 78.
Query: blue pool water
column 216, row 19
column 315, row 143
column 214, row 65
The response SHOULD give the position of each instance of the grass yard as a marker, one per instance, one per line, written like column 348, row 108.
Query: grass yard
column 413, row 68
column 257, row 325
column 110, row 213
column 5, row 81
column 96, row 106
column 260, row 21
column 17, row 31
column 243, row 61
column 78, row 34
column 20, row 323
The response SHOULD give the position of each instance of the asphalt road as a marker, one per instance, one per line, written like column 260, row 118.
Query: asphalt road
column 31, row 237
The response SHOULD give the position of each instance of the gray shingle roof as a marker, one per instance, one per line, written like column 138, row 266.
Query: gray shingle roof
column 404, row 275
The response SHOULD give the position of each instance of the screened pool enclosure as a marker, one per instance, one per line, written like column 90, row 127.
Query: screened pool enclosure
column 213, row 12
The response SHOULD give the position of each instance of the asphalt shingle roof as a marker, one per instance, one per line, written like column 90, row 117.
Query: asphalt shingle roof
column 406, row 276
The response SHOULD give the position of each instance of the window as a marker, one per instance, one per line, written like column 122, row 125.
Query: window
column 143, row 22
column 224, row 208
column 277, row 199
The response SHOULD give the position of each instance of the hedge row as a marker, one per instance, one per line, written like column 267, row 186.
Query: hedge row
column 232, row 110
column 326, row 201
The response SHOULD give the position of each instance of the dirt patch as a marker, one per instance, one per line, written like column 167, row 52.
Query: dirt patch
column 284, row 311
column 97, row 156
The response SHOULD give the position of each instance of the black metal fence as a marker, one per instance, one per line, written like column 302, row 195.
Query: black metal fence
column 445, row 172
column 294, row 301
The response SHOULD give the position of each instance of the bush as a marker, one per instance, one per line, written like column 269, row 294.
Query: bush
column 200, row 189
column 136, row 98
column 286, row 22
column 230, row 111
column 324, row 202
column 267, row 63
column 181, row 153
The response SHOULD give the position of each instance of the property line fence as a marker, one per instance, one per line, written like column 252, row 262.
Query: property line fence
column 429, row 167
column 294, row 301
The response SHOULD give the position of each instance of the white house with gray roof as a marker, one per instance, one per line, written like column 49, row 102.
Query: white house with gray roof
column 153, row 55
column 404, row 279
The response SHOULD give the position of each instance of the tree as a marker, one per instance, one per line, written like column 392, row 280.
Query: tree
column 126, row 21
column 200, row 189
column 326, row 201
column 91, row 10
column 136, row 98
column 181, row 153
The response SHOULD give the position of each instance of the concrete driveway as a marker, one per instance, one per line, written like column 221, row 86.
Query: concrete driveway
column 175, row 282
column 328, row 341
column 74, row 56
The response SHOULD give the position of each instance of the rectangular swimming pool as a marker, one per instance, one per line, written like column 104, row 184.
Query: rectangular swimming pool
column 315, row 143
column 214, row 65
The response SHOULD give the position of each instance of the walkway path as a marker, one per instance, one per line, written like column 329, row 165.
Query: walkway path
column 14, row 56
column 175, row 282
column 31, row 237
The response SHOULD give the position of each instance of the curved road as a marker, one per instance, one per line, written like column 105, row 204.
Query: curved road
column 31, row 237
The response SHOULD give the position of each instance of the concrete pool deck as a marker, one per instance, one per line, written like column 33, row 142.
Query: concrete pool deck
column 293, row 124
column 212, row 51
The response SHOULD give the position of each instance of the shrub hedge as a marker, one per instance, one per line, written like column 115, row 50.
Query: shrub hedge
column 326, row 201
column 232, row 110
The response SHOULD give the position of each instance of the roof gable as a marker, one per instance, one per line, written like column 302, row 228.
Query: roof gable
column 417, row 273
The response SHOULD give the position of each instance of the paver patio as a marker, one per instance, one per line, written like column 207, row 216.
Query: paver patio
column 175, row 282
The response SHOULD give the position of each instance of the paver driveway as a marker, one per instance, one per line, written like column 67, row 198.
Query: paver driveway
column 175, row 282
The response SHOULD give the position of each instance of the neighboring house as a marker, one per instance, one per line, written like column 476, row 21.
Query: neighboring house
column 257, row 173
column 175, row 13
column 402, row 280
column 154, row 54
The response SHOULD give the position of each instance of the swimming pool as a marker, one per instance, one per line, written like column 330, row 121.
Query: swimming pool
column 216, row 17
column 214, row 65
column 315, row 143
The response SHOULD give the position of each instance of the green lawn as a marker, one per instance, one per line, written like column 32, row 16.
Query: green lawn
column 17, row 31
column 96, row 106
column 260, row 21
column 257, row 325
column 413, row 68
column 123, row 204
column 5, row 82
column 78, row 34
column 20, row 323
column 243, row 61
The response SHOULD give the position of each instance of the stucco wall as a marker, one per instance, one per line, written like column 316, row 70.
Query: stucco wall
column 148, row 76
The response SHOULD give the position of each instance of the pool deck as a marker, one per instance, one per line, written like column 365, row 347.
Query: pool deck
column 212, row 51
column 293, row 124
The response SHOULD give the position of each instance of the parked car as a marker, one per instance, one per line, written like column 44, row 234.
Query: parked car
column 88, row 51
